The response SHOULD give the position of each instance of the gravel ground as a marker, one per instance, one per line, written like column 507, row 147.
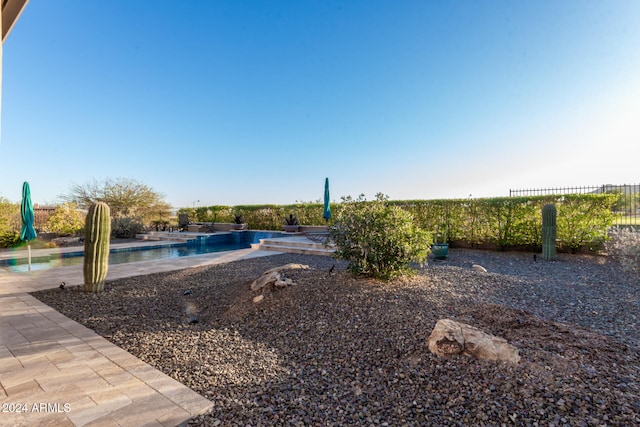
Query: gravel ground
column 338, row 350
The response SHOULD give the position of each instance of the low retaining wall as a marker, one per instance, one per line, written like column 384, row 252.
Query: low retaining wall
column 203, row 227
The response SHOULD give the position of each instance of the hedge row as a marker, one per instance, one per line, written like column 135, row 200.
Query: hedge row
column 583, row 219
column 260, row 217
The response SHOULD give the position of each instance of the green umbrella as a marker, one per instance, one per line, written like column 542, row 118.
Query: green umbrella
column 26, row 210
column 327, row 209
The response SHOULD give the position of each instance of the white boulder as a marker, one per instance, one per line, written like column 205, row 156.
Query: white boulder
column 450, row 337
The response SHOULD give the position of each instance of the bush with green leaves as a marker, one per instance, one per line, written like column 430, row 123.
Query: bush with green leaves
column 624, row 246
column 66, row 219
column 9, row 239
column 583, row 219
column 126, row 228
column 10, row 223
column 378, row 239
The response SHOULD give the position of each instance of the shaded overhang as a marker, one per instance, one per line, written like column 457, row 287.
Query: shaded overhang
column 11, row 10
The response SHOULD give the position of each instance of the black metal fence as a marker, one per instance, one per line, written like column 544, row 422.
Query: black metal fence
column 627, row 208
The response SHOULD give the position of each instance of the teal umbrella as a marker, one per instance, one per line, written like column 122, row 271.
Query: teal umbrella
column 26, row 210
column 327, row 208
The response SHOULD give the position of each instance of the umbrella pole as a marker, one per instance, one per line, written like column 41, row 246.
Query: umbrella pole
column 29, row 256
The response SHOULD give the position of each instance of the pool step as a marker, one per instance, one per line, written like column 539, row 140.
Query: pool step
column 296, row 245
column 167, row 235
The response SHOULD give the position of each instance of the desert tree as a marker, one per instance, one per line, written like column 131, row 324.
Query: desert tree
column 126, row 197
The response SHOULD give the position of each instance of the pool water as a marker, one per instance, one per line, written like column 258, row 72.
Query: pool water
column 210, row 244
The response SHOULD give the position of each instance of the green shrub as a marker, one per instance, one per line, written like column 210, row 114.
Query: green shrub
column 508, row 218
column 126, row 228
column 584, row 219
column 9, row 239
column 266, row 217
column 10, row 223
column 378, row 239
column 66, row 219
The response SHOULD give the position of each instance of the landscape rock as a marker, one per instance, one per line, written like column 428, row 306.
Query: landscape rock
column 273, row 277
column 290, row 266
column 280, row 283
column 450, row 337
column 264, row 280
column 478, row 268
column 258, row 298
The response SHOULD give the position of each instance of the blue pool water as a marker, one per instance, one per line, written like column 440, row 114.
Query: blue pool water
column 204, row 245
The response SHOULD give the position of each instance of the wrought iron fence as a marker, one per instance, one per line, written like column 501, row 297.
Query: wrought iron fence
column 627, row 208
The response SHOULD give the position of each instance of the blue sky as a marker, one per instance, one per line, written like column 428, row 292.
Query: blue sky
column 249, row 102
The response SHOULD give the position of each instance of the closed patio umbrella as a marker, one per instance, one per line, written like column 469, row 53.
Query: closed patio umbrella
column 327, row 208
column 27, row 233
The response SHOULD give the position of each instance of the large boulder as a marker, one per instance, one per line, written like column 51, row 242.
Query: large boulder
column 450, row 337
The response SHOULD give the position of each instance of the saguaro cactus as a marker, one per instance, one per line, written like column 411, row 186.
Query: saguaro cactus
column 97, row 231
column 549, row 213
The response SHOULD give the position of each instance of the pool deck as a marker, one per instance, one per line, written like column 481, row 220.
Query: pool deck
column 54, row 371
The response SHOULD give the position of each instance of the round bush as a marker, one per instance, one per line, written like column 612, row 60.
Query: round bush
column 378, row 239
column 126, row 228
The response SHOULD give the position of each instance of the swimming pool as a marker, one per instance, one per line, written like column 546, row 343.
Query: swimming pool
column 202, row 245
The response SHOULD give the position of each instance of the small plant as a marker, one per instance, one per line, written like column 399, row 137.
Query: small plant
column 291, row 220
column 97, row 232
column 441, row 234
column 378, row 239
column 440, row 248
column 238, row 219
column 624, row 246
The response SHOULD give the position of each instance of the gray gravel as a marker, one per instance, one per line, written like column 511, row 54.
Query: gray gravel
column 339, row 350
